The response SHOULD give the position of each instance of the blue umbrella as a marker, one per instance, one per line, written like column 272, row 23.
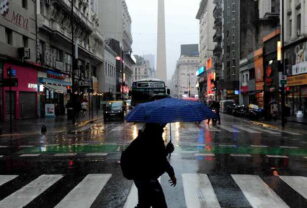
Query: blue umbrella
column 169, row 110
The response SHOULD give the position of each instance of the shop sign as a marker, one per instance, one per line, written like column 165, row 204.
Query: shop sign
column 297, row 80
column 269, row 73
column 17, row 19
column 244, row 89
column 55, row 75
column 259, row 86
column 32, row 86
column 300, row 68
column 49, row 110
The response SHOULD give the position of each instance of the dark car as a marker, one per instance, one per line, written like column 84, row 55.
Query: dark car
column 114, row 110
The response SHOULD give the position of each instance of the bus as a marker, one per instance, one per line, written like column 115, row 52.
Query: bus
column 146, row 90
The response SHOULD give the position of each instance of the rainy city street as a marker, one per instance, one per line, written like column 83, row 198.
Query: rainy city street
column 222, row 166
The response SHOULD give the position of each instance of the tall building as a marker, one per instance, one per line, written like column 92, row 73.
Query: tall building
column 142, row 69
column 116, row 29
column 184, row 79
column 161, row 71
column 40, row 56
column 295, row 27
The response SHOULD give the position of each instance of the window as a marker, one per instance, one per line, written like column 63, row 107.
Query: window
column 24, row 4
column 9, row 36
column 25, row 40
column 59, row 55
column 251, row 74
column 290, row 28
column 298, row 26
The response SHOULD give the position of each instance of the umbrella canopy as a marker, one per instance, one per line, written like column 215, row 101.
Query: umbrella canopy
column 170, row 110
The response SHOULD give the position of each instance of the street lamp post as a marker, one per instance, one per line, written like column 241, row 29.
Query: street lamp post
column 283, row 97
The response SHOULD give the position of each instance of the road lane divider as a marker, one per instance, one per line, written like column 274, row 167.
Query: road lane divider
column 277, row 156
column 98, row 154
column 65, row 154
column 240, row 155
column 29, row 155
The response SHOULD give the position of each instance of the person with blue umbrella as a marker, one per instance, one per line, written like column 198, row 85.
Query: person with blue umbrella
column 148, row 154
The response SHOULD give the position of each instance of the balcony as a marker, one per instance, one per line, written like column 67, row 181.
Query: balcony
column 82, row 18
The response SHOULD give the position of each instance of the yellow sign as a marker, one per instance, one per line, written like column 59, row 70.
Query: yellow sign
column 297, row 80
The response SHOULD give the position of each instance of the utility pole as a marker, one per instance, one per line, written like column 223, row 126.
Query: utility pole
column 73, row 89
column 283, row 65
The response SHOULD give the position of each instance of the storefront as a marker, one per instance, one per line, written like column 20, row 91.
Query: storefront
column 296, row 93
column 20, row 100
column 296, row 90
column 53, row 93
column 258, row 62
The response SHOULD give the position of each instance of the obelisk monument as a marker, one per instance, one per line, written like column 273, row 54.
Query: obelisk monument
column 161, row 47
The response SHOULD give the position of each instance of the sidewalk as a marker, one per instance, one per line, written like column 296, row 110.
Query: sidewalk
column 54, row 125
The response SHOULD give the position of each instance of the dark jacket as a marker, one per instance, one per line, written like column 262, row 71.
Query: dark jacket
column 149, row 156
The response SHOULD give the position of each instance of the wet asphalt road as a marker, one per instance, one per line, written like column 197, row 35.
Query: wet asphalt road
column 235, row 164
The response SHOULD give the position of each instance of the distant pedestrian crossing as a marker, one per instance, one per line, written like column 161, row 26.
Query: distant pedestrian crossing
column 236, row 128
column 199, row 191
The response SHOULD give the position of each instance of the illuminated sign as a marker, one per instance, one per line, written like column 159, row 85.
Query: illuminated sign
column 200, row 71
column 32, row 86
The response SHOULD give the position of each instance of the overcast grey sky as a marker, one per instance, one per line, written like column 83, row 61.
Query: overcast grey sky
column 181, row 27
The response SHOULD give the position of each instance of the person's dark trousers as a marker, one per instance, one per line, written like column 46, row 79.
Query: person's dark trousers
column 150, row 194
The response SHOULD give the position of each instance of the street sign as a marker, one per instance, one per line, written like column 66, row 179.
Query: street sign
column 13, row 82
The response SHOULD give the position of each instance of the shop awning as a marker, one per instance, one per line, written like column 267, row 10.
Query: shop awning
column 56, row 88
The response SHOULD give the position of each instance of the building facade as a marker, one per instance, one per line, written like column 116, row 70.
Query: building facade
column 17, row 61
column 142, row 69
column 116, row 30
column 295, row 26
column 184, row 80
column 56, row 53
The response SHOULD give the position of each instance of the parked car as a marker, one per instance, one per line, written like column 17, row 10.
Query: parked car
column 114, row 110
column 224, row 105
column 255, row 112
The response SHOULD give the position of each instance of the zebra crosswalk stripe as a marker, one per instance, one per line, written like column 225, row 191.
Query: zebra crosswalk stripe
column 247, row 129
column 84, row 194
column 132, row 198
column 29, row 192
column 199, row 192
column 230, row 129
column 257, row 192
column 6, row 178
column 298, row 183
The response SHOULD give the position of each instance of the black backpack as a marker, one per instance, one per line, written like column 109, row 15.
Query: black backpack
column 129, row 160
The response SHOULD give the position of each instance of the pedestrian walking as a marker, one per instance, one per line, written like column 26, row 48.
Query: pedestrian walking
column 144, row 161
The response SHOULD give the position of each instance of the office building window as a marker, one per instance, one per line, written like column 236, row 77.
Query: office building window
column 290, row 28
column 298, row 26
column 25, row 4
column 9, row 36
column 25, row 40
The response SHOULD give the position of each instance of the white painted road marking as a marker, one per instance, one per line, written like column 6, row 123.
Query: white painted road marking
column 204, row 155
column 259, row 146
column 288, row 147
column 85, row 193
column 277, row 156
column 199, row 192
column 96, row 154
column 29, row 192
column 3, row 146
column 230, row 129
column 258, row 193
column 298, row 183
column 247, row 129
column 26, row 146
column 6, row 178
column 65, row 154
column 132, row 198
column 266, row 130
column 240, row 155
column 29, row 155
